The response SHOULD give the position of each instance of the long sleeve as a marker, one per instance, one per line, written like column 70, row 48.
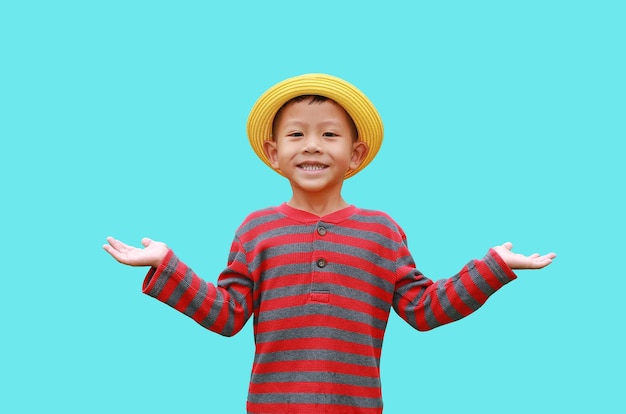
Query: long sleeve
column 223, row 308
column 425, row 304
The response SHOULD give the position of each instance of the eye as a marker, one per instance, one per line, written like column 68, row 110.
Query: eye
column 329, row 134
column 295, row 134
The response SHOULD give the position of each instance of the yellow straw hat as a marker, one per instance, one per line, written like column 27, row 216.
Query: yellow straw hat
column 365, row 116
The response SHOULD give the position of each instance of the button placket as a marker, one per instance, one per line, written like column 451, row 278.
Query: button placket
column 319, row 290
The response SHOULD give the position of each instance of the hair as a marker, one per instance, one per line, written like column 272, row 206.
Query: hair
column 313, row 99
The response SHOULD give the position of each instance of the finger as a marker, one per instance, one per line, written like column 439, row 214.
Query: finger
column 146, row 241
column 508, row 245
column 534, row 255
column 118, row 245
column 115, row 253
column 541, row 262
column 113, row 242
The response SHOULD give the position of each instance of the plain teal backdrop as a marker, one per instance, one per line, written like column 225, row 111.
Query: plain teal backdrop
column 505, row 120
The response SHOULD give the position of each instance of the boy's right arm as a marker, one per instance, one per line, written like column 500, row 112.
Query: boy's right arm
column 151, row 255
column 223, row 308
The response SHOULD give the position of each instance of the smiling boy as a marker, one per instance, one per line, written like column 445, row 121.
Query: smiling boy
column 314, row 144
column 319, row 275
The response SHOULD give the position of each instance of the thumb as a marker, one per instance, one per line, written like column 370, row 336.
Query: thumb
column 146, row 241
column 508, row 245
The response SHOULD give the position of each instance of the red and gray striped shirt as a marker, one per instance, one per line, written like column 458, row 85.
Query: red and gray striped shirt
column 320, row 290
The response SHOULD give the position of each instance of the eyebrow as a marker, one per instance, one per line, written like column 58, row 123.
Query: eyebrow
column 297, row 122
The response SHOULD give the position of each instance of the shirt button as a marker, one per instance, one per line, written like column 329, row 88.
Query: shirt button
column 321, row 230
column 321, row 262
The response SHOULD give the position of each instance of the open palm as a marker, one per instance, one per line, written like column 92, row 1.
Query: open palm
column 152, row 253
column 519, row 261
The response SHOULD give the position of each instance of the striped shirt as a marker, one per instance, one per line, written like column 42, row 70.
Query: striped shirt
column 320, row 290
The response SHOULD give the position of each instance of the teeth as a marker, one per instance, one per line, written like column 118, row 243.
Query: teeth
column 312, row 167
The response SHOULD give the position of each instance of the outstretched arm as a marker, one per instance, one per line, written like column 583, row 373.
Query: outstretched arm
column 426, row 305
column 151, row 255
column 223, row 307
column 519, row 261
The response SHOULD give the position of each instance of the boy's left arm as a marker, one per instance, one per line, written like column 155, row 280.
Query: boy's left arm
column 425, row 304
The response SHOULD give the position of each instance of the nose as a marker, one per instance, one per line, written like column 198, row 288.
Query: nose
column 312, row 144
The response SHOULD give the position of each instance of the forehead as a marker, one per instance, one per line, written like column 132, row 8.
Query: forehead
column 311, row 106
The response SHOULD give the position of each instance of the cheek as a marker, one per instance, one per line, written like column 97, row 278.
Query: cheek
column 284, row 148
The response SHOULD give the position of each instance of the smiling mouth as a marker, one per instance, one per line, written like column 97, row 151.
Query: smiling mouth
column 312, row 167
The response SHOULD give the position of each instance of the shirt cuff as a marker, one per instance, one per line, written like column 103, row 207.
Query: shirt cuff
column 155, row 273
column 504, row 273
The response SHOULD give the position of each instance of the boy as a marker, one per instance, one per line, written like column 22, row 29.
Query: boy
column 319, row 275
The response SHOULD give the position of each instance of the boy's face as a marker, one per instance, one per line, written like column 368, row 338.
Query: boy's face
column 314, row 145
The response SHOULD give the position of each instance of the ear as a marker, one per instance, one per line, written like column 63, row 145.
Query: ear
column 359, row 151
column 271, row 152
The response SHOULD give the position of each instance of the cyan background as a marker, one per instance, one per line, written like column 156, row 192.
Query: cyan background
column 505, row 120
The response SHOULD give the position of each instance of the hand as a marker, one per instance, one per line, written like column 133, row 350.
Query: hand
column 151, row 255
column 519, row 261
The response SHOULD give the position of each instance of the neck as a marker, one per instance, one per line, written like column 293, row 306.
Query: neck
column 318, row 205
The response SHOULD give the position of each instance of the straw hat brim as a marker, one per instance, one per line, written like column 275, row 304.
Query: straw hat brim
column 365, row 116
